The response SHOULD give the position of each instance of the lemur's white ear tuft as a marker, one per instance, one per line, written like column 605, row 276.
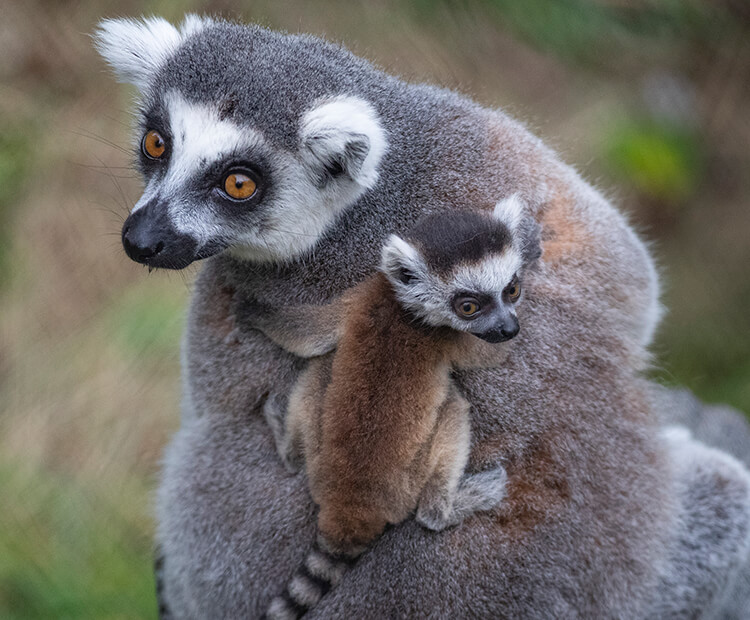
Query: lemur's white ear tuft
column 509, row 211
column 135, row 48
column 401, row 262
column 192, row 24
column 344, row 136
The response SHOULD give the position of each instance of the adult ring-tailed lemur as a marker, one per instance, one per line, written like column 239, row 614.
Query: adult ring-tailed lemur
column 288, row 161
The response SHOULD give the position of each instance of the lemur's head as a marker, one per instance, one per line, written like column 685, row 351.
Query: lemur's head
column 248, row 139
column 464, row 270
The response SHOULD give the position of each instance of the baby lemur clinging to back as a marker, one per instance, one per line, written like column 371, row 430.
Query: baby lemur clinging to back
column 379, row 421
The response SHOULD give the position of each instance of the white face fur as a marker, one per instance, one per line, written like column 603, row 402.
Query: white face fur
column 273, row 225
column 301, row 210
column 432, row 296
column 200, row 138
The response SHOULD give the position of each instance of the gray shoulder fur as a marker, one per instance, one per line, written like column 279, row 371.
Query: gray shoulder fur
column 604, row 517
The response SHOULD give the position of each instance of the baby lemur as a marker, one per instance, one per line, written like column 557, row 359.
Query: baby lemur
column 379, row 421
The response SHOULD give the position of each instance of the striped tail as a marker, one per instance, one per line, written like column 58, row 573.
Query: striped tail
column 320, row 572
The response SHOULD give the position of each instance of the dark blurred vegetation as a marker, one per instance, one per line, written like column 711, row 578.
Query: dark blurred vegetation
column 648, row 99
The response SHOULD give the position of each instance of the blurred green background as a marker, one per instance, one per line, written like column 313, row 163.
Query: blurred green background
column 648, row 99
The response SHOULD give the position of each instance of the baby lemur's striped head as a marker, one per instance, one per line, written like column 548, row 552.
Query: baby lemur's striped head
column 465, row 270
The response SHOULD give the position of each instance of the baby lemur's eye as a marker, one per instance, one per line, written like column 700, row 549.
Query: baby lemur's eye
column 153, row 145
column 466, row 307
column 239, row 186
column 513, row 291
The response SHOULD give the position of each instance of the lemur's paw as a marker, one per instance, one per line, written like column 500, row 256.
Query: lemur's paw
column 435, row 515
column 481, row 491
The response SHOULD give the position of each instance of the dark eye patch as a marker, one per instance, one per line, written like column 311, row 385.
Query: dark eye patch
column 485, row 301
column 215, row 173
column 154, row 119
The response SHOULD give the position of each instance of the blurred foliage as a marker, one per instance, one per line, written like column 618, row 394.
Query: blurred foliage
column 15, row 155
column 146, row 320
column 69, row 551
column 661, row 161
column 604, row 34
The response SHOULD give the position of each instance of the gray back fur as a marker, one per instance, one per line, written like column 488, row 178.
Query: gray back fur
column 599, row 519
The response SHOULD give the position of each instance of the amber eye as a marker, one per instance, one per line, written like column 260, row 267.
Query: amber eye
column 239, row 186
column 513, row 290
column 153, row 145
column 466, row 307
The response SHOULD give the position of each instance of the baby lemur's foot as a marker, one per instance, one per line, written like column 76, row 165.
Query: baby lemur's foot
column 481, row 491
column 476, row 492
column 435, row 514
column 274, row 411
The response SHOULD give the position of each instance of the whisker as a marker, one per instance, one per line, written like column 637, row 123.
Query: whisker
column 103, row 169
column 96, row 138
column 116, row 120
column 106, row 209
column 125, row 201
column 287, row 232
column 91, row 166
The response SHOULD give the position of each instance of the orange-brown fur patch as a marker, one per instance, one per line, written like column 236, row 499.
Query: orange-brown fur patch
column 564, row 234
column 563, row 231
column 537, row 486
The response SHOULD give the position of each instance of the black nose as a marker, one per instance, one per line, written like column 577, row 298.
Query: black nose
column 139, row 247
column 509, row 331
column 149, row 237
column 497, row 335
column 505, row 330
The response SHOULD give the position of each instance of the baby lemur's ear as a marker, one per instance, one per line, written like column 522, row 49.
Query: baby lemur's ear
column 343, row 137
column 136, row 48
column 525, row 230
column 401, row 262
